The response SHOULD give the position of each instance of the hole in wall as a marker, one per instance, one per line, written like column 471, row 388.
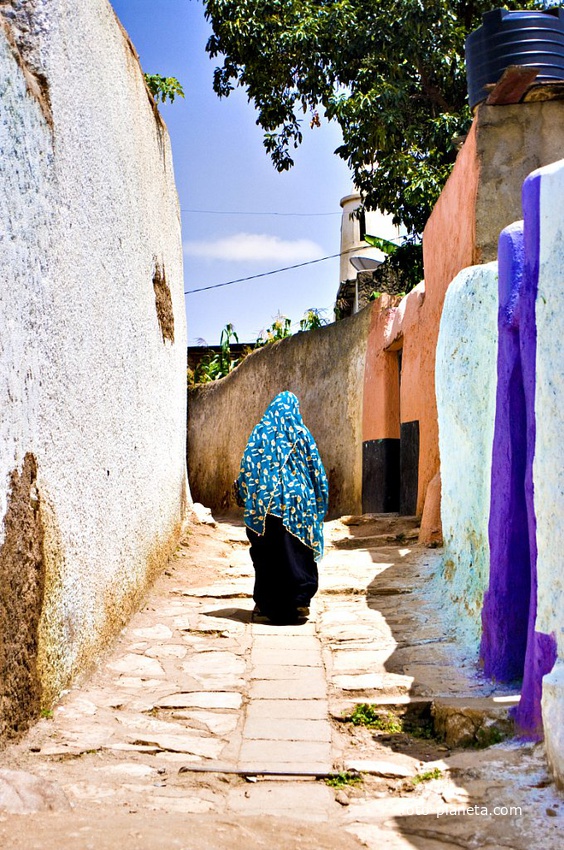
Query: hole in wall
column 163, row 302
column 22, row 582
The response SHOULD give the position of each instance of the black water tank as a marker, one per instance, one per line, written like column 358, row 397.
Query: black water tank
column 533, row 39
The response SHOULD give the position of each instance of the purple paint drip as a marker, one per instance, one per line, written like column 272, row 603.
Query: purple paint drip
column 540, row 659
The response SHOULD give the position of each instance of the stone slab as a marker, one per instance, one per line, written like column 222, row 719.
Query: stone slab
column 361, row 661
column 216, row 722
column 183, row 805
column 157, row 632
column 279, row 641
column 400, row 768
column 128, row 769
column 310, row 801
column 492, row 703
column 294, row 657
column 167, row 650
column 23, row 793
column 202, row 699
column 287, row 689
column 140, row 683
column 273, row 752
column 314, row 676
column 213, row 683
column 287, row 769
column 373, row 682
column 283, row 729
column 446, row 681
column 137, row 665
column 272, row 709
column 307, row 628
column 195, row 745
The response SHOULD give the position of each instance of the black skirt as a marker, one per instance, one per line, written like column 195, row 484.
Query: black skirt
column 286, row 576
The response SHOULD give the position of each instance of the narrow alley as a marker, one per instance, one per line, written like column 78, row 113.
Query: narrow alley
column 363, row 727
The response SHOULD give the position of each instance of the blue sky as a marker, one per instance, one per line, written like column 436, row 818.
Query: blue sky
column 221, row 166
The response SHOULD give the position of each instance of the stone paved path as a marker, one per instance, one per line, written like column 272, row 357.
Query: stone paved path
column 223, row 730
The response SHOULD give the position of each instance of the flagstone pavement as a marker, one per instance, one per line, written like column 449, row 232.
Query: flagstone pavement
column 203, row 728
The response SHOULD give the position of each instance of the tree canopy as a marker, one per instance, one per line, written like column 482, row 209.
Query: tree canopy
column 391, row 72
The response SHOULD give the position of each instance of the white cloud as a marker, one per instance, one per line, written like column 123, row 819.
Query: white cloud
column 251, row 247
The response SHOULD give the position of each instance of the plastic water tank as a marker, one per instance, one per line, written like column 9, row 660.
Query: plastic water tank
column 534, row 39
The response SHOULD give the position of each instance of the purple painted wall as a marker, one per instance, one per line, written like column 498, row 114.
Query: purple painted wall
column 506, row 602
column 541, row 649
column 510, row 645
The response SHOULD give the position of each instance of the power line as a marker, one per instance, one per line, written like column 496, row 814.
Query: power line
column 242, row 212
column 265, row 274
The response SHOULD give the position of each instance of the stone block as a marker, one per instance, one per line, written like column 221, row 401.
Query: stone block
column 23, row 793
column 309, row 801
column 287, row 689
column 295, row 709
column 287, row 729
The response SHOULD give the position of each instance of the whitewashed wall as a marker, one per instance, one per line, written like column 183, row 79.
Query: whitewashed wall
column 466, row 379
column 88, row 384
column 548, row 466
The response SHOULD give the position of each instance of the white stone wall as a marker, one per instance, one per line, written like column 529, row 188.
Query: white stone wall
column 548, row 469
column 88, row 385
column 466, row 377
column 548, row 466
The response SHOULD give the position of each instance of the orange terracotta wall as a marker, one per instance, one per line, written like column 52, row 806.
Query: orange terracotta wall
column 480, row 198
column 414, row 324
column 449, row 245
column 381, row 397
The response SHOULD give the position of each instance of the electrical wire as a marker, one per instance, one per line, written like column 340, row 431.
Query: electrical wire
column 267, row 274
column 241, row 212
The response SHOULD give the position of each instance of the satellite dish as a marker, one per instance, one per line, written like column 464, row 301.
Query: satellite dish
column 365, row 264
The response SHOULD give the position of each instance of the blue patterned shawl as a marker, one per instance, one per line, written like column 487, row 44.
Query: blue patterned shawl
column 282, row 474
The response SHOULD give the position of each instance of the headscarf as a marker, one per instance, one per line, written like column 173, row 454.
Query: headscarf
column 282, row 474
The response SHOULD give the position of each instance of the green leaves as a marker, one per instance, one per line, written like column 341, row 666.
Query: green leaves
column 163, row 88
column 217, row 364
column 280, row 329
column 391, row 72
column 383, row 245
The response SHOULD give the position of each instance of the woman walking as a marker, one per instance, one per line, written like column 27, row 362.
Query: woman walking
column 284, row 490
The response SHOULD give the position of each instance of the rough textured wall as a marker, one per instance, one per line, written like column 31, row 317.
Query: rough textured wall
column 481, row 197
column 381, row 402
column 543, row 195
column 92, row 385
column 511, row 141
column 325, row 369
column 448, row 247
column 548, row 472
column 466, row 386
column 524, row 603
column 391, row 457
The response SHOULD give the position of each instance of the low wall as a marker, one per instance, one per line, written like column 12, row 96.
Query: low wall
column 466, row 380
column 93, row 350
column 325, row 369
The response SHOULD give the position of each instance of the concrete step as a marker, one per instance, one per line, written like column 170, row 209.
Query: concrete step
column 469, row 721
column 474, row 721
